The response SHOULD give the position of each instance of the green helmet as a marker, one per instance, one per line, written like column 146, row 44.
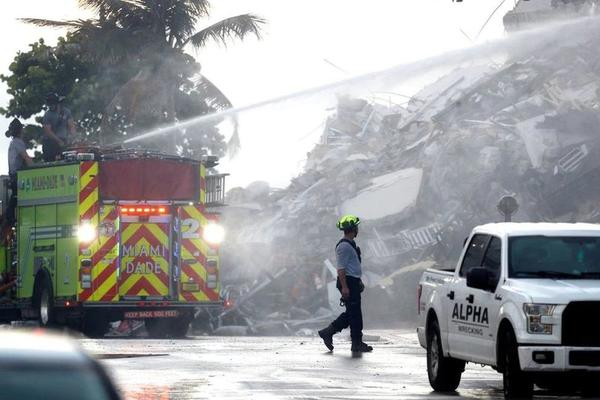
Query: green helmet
column 348, row 222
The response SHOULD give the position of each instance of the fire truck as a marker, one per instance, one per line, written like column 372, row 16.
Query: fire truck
column 109, row 236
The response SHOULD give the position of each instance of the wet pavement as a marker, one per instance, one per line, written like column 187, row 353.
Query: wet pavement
column 280, row 368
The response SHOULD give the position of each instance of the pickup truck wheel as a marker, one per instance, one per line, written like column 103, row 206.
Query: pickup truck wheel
column 444, row 372
column 516, row 383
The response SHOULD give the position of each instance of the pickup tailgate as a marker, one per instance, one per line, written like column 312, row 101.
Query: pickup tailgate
column 431, row 294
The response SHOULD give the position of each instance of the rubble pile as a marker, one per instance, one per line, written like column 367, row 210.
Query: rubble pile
column 420, row 176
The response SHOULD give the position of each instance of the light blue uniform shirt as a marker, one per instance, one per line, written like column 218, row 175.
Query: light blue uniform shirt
column 347, row 259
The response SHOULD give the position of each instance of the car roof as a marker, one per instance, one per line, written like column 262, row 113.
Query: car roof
column 539, row 228
column 40, row 347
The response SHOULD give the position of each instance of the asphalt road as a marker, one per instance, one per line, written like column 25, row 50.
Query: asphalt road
column 280, row 368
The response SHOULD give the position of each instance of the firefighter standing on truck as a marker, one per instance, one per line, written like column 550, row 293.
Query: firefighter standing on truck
column 350, row 285
column 58, row 126
column 17, row 159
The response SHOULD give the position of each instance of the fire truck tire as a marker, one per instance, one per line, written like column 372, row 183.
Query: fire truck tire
column 203, row 324
column 95, row 325
column 43, row 300
column 179, row 328
column 157, row 328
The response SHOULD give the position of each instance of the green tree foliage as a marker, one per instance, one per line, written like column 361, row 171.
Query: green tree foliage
column 126, row 72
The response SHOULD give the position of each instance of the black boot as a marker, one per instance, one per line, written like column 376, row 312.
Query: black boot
column 327, row 336
column 361, row 347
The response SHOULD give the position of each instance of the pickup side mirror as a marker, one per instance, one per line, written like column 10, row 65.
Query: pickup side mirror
column 479, row 278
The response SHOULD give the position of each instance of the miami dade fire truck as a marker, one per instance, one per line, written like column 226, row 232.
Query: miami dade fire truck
column 103, row 237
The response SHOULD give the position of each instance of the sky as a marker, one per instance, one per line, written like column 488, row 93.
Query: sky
column 305, row 44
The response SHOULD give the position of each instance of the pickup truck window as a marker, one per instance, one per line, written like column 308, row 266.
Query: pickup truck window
column 492, row 258
column 474, row 255
column 554, row 257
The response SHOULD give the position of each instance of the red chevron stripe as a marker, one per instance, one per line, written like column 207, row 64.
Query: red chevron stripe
column 85, row 294
column 188, row 296
column 199, row 207
column 143, row 233
column 164, row 277
column 104, row 275
column 183, row 214
column 162, row 226
column 84, row 167
column 90, row 188
column 103, row 251
column 112, row 215
column 112, row 292
column 90, row 213
column 141, row 284
column 211, row 294
column 189, row 245
column 189, row 271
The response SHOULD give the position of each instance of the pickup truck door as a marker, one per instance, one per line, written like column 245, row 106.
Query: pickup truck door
column 472, row 322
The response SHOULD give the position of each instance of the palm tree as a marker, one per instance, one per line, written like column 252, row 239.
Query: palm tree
column 152, row 35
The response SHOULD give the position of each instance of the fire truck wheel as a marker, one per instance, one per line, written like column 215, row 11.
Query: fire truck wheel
column 179, row 328
column 203, row 324
column 95, row 326
column 43, row 301
column 157, row 328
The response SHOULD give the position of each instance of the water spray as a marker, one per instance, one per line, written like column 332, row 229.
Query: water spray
column 521, row 43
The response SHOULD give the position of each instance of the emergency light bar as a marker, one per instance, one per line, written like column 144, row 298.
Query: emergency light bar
column 144, row 210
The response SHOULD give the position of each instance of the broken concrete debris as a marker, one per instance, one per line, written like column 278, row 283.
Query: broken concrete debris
column 420, row 176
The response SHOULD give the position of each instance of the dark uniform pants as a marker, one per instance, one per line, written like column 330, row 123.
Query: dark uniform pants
column 12, row 201
column 352, row 317
column 50, row 150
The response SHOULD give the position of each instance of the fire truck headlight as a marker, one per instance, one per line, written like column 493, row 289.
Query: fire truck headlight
column 214, row 233
column 86, row 232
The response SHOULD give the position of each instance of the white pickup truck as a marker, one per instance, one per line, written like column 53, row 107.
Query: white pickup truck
column 525, row 299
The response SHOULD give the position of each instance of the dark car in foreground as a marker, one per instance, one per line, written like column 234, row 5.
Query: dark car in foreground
column 37, row 365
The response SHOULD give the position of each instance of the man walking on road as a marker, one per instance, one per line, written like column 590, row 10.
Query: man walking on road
column 350, row 285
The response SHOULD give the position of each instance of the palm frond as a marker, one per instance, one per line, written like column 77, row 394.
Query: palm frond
column 109, row 5
column 217, row 100
column 237, row 27
column 53, row 23
column 180, row 20
column 199, row 8
column 213, row 96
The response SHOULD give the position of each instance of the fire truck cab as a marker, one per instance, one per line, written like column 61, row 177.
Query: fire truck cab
column 108, row 236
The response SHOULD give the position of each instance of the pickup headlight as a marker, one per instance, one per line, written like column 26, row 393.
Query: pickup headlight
column 534, row 314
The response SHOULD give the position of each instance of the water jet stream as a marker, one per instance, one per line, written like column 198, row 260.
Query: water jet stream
column 515, row 45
